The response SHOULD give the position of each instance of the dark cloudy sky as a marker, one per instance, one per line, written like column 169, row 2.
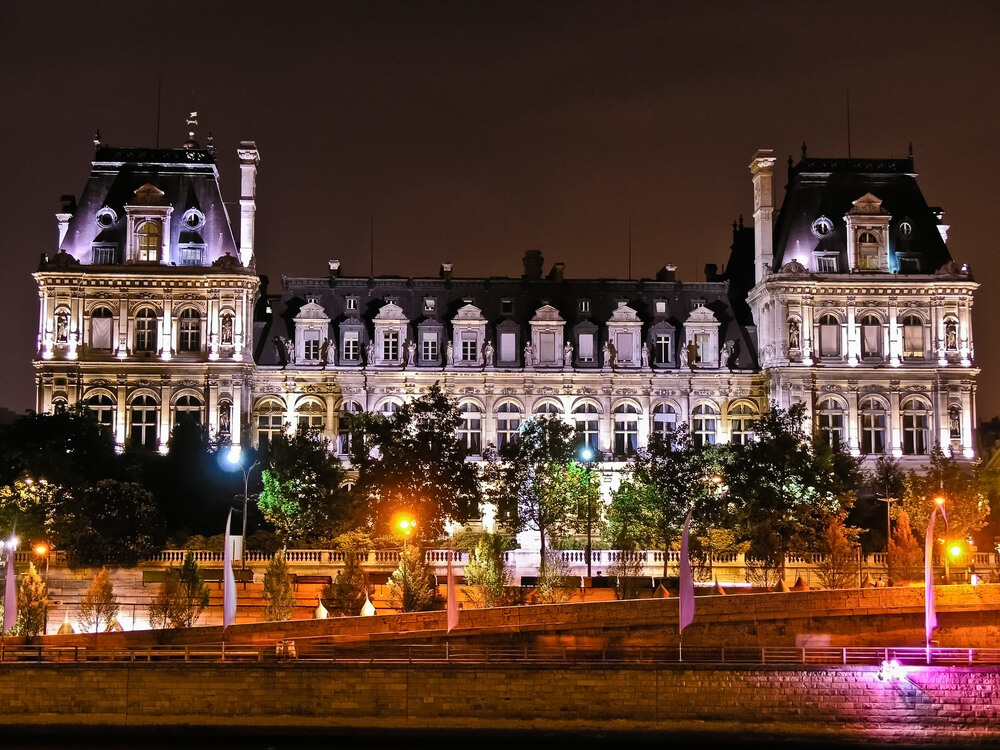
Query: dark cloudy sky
column 469, row 132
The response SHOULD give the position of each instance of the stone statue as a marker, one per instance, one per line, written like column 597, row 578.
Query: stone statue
column 370, row 353
column 330, row 351
column 692, row 353
column 227, row 329
column 951, row 337
column 411, row 358
column 645, row 355
column 290, row 349
column 568, row 354
column 450, row 354
column 726, row 353
column 529, row 355
column 610, row 354
column 488, row 353
column 793, row 335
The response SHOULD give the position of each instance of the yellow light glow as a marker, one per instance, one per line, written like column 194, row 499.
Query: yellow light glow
column 955, row 550
column 41, row 549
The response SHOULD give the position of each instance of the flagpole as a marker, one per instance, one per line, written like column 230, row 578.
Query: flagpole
column 685, row 603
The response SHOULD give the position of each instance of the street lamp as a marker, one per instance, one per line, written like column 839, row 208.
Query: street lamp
column 587, row 454
column 43, row 550
column 235, row 456
column 939, row 500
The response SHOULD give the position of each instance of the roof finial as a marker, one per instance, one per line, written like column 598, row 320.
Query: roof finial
column 741, row 221
column 803, row 149
column 911, row 149
column 210, row 147
column 97, row 139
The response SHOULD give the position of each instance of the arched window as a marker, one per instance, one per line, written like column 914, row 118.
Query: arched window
column 470, row 431
column 867, row 251
column 311, row 415
column 664, row 420
column 388, row 408
column 145, row 331
column 347, row 408
column 704, row 424
column 189, row 409
column 270, row 422
column 548, row 408
column 626, row 429
column 101, row 324
column 873, row 425
column 104, row 409
column 59, row 406
column 913, row 337
column 871, row 337
column 916, row 425
column 147, row 241
column 508, row 423
column 142, row 430
column 586, row 419
column 741, row 417
column 829, row 336
column 830, row 422
column 189, row 330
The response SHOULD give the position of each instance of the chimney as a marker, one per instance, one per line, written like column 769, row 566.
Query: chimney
column 249, row 159
column 334, row 268
column 533, row 265
column 762, row 168
column 445, row 272
column 711, row 272
column 63, row 217
column 667, row 273
column 556, row 272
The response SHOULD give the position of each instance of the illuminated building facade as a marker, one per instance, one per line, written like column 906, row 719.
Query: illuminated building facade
column 847, row 300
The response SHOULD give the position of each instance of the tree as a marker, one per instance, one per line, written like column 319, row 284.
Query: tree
column 487, row 578
column 551, row 586
column 99, row 605
column 527, row 479
column 279, row 598
column 25, row 504
column 410, row 587
column 788, row 486
column 182, row 598
column 32, row 604
column 111, row 523
column 303, row 496
column 965, row 494
column 347, row 593
column 838, row 567
column 413, row 461
column 873, row 511
column 906, row 557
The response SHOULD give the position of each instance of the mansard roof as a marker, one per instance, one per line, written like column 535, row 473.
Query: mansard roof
column 833, row 188
column 183, row 179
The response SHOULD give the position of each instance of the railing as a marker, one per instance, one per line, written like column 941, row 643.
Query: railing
column 308, row 650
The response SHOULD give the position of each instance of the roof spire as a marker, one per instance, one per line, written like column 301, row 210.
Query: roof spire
column 803, row 149
column 97, row 139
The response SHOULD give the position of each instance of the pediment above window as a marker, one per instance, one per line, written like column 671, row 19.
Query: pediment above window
column 469, row 313
column 547, row 314
column 868, row 205
column 624, row 314
column 391, row 312
column 311, row 311
column 701, row 314
column 149, row 195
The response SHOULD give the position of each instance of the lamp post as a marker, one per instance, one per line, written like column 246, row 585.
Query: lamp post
column 406, row 525
column 235, row 455
column 939, row 500
column 587, row 454
column 43, row 550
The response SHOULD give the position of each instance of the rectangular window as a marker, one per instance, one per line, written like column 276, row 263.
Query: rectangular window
column 626, row 351
column 429, row 304
column 191, row 255
column 701, row 341
column 661, row 307
column 507, row 306
column 871, row 340
column 662, row 351
column 586, row 353
column 507, row 341
column 584, row 305
column 103, row 255
column 390, row 346
column 913, row 341
column 546, row 348
column 827, row 264
column 352, row 303
column 468, row 348
column 352, row 347
column 829, row 340
column 429, row 347
column 311, row 346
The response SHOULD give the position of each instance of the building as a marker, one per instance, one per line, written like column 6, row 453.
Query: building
column 846, row 299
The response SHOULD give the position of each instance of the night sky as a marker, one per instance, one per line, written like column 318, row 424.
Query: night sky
column 468, row 132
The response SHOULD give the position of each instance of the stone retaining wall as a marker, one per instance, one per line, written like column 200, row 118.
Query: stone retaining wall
column 929, row 704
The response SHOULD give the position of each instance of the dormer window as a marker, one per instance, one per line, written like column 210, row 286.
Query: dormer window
column 106, row 218
column 868, row 247
column 583, row 306
column 507, row 306
column 822, row 227
column 905, row 229
column 147, row 242
column 193, row 219
column 430, row 304
column 352, row 303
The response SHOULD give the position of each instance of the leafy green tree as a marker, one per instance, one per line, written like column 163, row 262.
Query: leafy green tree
column 303, row 496
column 487, row 578
column 25, row 504
column 410, row 588
column 182, row 598
column 279, row 598
column 552, row 585
column 32, row 604
column 786, row 487
column 413, row 461
column 528, row 480
column 69, row 449
column 964, row 492
column 347, row 592
column 906, row 556
column 111, row 523
column 99, row 605
column 838, row 567
column 872, row 511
